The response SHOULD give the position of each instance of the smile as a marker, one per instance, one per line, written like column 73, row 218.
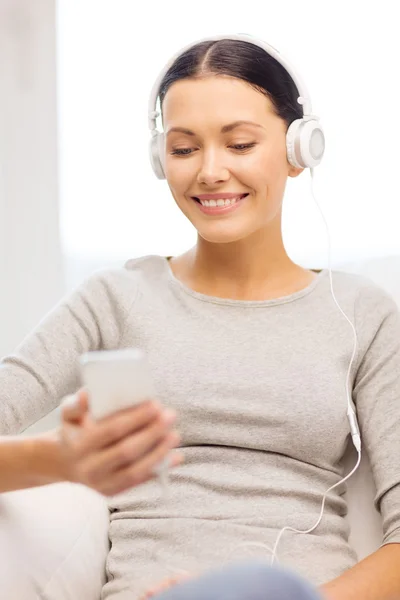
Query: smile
column 219, row 206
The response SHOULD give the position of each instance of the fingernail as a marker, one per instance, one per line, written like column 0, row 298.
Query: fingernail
column 169, row 416
column 70, row 401
column 178, row 458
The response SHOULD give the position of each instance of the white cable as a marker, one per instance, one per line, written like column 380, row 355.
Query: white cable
column 351, row 413
column 245, row 544
column 321, row 513
column 355, row 432
column 162, row 472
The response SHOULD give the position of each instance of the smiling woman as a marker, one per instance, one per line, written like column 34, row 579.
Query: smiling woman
column 243, row 344
column 225, row 124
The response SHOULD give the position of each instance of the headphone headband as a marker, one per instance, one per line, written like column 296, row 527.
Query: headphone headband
column 304, row 98
column 305, row 140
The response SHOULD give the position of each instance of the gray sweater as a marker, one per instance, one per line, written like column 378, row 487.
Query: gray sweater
column 260, row 391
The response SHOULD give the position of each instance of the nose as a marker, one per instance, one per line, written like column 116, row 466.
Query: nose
column 212, row 169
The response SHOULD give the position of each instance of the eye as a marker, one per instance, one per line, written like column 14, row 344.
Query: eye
column 188, row 151
column 243, row 147
column 182, row 151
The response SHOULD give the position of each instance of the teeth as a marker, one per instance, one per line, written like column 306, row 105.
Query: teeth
column 220, row 202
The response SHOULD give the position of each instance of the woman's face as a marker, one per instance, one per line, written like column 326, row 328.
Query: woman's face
column 212, row 158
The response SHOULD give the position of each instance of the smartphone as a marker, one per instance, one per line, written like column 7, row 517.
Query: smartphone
column 115, row 379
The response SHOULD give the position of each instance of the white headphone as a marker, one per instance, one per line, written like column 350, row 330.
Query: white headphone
column 305, row 140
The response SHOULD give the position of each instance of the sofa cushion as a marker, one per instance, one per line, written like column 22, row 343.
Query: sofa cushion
column 54, row 540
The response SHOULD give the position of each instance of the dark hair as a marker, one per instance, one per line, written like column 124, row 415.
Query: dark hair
column 242, row 60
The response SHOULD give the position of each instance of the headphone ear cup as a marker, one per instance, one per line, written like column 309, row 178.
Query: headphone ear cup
column 305, row 143
column 157, row 155
column 291, row 136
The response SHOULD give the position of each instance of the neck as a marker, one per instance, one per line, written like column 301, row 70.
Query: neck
column 246, row 269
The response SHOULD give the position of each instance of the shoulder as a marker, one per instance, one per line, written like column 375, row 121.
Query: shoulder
column 373, row 300
column 368, row 295
column 146, row 266
column 376, row 311
column 129, row 273
column 124, row 281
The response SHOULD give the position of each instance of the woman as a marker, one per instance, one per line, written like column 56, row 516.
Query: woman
column 245, row 345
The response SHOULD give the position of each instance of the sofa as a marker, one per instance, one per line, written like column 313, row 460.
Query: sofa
column 54, row 540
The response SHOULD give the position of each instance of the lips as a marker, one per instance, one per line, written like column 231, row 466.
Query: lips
column 221, row 211
column 220, row 196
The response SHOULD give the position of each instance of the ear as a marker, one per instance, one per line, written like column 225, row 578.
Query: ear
column 295, row 171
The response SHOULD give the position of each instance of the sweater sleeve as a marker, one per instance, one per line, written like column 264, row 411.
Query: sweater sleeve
column 45, row 366
column 377, row 397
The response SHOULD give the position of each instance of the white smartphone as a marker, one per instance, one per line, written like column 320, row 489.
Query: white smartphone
column 116, row 379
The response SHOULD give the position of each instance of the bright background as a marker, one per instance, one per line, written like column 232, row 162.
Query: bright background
column 109, row 56
column 76, row 188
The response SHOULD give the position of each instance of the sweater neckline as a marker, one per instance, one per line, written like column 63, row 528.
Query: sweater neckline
column 175, row 282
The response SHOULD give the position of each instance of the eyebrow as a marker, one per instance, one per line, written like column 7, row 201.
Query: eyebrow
column 225, row 128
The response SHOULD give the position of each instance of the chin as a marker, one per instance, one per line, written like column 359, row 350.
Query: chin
column 223, row 235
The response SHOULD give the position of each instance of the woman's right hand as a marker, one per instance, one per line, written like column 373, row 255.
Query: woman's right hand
column 117, row 452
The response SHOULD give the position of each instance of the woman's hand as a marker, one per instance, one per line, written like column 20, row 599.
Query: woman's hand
column 165, row 584
column 117, row 452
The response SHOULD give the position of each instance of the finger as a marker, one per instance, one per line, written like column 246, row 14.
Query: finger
column 176, row 459
column 160, row 588
column 167, row 583
column 141, row 472
column 127, row 451
column 75, row 406
column 124, row 423
column 152, row 591
column 156, row 589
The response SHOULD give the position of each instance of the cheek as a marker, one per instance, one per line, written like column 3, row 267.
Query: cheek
column 271, row 167
column 179, row 176
column 264, row 164
column 255, row 171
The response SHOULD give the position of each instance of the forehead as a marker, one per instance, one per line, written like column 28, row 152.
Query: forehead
column 214, row 99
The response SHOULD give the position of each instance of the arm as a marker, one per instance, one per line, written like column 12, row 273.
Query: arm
column 376, row 394
column 44, row 368
column 377, row 577
column 30, row 462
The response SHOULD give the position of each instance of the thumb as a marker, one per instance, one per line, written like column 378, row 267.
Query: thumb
column 75, row 406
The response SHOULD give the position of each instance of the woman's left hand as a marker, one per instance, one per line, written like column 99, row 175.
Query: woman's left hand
column 165, row 585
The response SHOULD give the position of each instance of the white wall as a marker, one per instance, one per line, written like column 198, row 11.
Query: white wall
column 109, row 56
column 103, row 139
column 31, row 265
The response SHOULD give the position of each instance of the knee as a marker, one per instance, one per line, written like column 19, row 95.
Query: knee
column 253, row 580
column 270, row 583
